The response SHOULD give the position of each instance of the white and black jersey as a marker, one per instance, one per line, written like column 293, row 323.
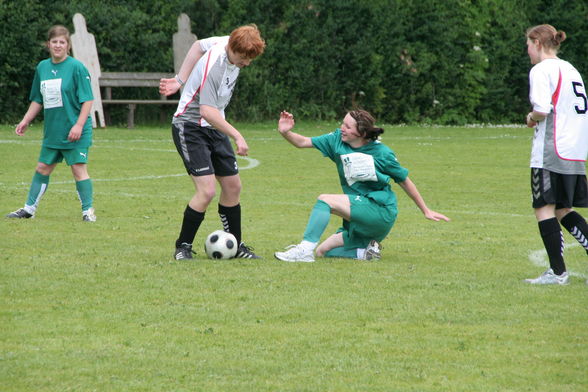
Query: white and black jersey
column 211, row 83
column 560, row 144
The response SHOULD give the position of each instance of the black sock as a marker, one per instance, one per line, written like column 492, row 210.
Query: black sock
column 190, row 225
column 231, row 220
column 576, row 225
column 552, row 237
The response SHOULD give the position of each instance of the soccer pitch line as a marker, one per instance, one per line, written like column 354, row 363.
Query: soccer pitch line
column 251, row 164
column 539, row 258
column 488, row 213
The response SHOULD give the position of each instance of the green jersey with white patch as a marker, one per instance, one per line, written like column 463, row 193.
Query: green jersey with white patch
column 364, row 171
column 62, row 88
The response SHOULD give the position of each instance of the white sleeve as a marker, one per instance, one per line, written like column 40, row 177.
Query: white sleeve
column 540, row 91
column 207, row 43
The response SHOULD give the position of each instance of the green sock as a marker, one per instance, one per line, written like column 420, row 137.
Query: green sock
column 318, row 221
column 85, row 193
column 342, row 253
column 38, row 187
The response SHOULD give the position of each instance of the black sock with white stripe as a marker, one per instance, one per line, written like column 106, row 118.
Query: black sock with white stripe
column 552, row 237
column 231, row 220
column 576, row 225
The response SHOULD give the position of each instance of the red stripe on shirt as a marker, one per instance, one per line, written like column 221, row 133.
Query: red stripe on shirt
column 199, row 87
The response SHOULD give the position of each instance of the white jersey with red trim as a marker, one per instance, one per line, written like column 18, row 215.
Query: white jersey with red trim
column 211, row 83
column 560, row 143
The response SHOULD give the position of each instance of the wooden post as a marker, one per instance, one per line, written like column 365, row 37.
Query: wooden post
column 84, row 49
column 182, row 41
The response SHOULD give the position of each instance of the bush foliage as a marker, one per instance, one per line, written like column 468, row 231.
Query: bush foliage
column 431, row 61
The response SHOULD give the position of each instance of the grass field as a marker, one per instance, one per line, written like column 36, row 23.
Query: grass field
column 103, row 307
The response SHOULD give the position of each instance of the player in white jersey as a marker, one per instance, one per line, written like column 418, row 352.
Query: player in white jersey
column 201, row 133
column 560, row 147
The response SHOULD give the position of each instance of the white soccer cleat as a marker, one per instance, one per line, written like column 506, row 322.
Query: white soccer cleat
column 373, row 251
column 89, row 215
column 548, row 277
column 295, row 253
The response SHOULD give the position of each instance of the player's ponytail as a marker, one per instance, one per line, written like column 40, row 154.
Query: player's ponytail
column 547, row 35
column 559, row 37
column 366, row 124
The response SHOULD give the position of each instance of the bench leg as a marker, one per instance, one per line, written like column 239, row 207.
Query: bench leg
column 106, row 115
column 131, row 116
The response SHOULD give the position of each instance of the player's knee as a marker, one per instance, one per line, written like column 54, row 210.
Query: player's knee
column 80, row 171
column 325, row 198
column 44, row 169
column 232, row 189
column 206, row 195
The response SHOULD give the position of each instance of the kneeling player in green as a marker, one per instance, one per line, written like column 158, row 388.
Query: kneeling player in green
column 62, row 89
column 367, row 205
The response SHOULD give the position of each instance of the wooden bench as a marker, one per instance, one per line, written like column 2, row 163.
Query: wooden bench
column 108, row 80
column 84, row 49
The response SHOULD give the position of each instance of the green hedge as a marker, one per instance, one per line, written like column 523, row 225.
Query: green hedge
column 433, row 61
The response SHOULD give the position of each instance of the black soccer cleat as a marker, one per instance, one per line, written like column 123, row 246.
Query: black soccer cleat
column 20, row 214
column 184, row 252
column 245, row 252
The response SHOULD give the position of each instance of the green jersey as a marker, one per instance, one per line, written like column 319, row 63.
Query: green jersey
column 364, row 171
column 62, row 88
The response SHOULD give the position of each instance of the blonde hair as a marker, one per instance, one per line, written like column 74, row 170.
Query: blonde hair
column 547, row 35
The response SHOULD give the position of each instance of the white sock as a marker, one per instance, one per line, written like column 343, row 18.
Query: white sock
column 309, row 246
column 360, row 253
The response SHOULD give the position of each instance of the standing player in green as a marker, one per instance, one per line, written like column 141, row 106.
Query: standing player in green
column 367, row 205
column 201, row 134
column 61, row 88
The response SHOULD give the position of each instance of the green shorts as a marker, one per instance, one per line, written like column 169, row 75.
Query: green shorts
column 369, row 221
column 72, row 156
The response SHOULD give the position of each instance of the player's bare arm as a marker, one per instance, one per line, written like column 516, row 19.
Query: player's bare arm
column 214, row 118
column 76, row 130
column 411, row 190
column 285, row 125
column 34, row 109
column 535, row 117
column 170, row 86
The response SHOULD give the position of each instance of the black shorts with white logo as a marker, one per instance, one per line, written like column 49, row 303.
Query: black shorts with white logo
column 563, row 190
column 204, row 151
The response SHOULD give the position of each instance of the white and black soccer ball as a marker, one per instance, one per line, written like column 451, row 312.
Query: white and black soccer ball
column 220, row 245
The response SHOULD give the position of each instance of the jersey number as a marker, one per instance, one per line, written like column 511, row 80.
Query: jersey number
column 581, row 95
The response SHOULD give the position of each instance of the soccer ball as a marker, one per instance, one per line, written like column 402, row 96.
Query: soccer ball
column 220, row 245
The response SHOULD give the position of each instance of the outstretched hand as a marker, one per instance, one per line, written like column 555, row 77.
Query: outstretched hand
column 436, row 216
column 286, row 122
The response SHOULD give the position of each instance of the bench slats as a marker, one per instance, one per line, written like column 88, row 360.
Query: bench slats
column 132, row 79
column 108, row 80
column 141, row 101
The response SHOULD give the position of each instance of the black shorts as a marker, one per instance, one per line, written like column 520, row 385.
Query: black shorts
column 563, row 190
column 204, row 151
